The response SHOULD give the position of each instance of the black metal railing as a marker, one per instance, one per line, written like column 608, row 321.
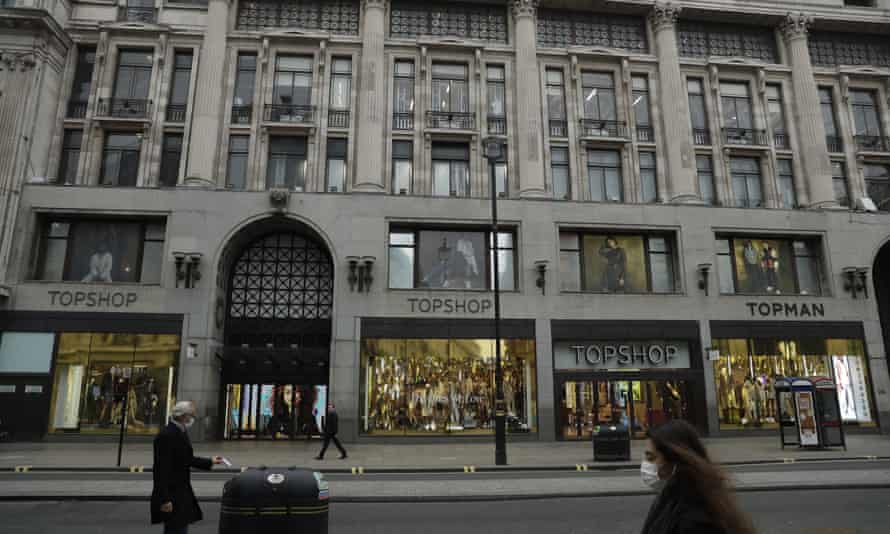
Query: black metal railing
column 242, row 114
column 601, row 128
column 744, row 136
column 451, row 120
column 873, row 143
column 645, row 134
column 124, row 108
column 290, row 113
column 176, row 112
column 497, row 124
column 148, row 15
column 403, row 121
column 781, row 140
column 701, row 136
column 835, row 143
column 338, row 118
column 559, row 128
column 77, row 109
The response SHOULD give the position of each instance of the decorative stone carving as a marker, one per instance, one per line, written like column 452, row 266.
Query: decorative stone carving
column 562, row 29
column 829, row 49
column 664, row 16
column 796, row 26
column 334, row 16
column 702, row 40
column 279, row 198
column 17, row 61
column 525, row 8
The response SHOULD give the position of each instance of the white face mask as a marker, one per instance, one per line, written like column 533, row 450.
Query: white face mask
column 649, row 474
column 189, row 422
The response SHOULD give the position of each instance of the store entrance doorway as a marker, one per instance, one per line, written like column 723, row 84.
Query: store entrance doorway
column 639, row 404
column 274, row 411
column 881, row 276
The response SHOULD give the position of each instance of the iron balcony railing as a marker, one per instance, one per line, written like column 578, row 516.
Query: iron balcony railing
column 744, row 136
column 781, row 140
column 645, row 133
column 403, row 121
column 242, row 114
column 701, row 136
column 124, row 108
column 290, row 113
column 147, row 15
column 497, row 124
column 338, row 118
column 873, row 143
column 559, row 128
column 77, row 109
column 603, row 128
column 451, row 120
column 835, row 143
column 176, row 112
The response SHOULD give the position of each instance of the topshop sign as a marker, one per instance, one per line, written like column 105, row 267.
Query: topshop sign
column 617, row 355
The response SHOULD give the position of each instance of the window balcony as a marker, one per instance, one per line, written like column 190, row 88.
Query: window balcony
column 744, row 137
column 403, row 121
column 701, row 136
column 242, row 114
column 872, row 143
column 602, row 128
column 781, row 141
column 338, row 118
column 645, row 134
column 835, row 143
column 124, row 108
column 450, row 120
column 176, row 113
column 559, row 128
column 77, row 109
column 290, row 114
column 145, row 15
column 497, row 125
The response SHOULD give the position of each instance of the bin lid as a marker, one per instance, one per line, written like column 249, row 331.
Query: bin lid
column 610, row 429
column 275, row 486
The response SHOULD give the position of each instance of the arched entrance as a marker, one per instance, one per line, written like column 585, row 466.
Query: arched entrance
column 881, row 275
column 279, row 294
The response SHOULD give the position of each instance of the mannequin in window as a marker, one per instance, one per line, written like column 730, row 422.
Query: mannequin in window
column 101, row 262
column 616, row 265
column 752, row 266
column 771, row 268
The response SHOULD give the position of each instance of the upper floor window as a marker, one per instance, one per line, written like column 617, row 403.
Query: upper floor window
column 867, row 120
column 133, row 77
column 826, row 103
column 179, row 87
column 451, row 169
column 293, row 81
column 747, row 184
column 402, row 167
column 738, row 118
column 83, row 79
column 697, row 112
column 761, row 265
column 336, row 168
column 403, row 95
column 110, row 251
column 170, row 159
column 497, row 99
column 617, row 263
column 560, row 28
column 120, row 159
column 776, row 116
column 598, row 89
column 287, row 163
column 450, row 259
column 787, row 195
column 341, row 83
column 705, row 168
column 839, row 182
column 604, row 175
column 236, row 165
column 648, row 178
column 642, row 112
column 409, row 18
column 556, row 103
column 450, row 88
column 245, row 78
column 71, row 143
column 702, row 39
column 559, row 170
column 877, row 182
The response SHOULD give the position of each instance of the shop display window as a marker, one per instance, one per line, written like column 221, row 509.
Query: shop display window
column 100, row 251
column 747, row 371
column 440, row 386
column 96, row 374
column 757, row 266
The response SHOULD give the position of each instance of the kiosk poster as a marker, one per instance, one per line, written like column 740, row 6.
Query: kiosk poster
column 806, row 417
column 860, row 393
column 845, row 393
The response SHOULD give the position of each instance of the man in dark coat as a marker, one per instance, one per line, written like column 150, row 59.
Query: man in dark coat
column 330, row 425
column 173, row 500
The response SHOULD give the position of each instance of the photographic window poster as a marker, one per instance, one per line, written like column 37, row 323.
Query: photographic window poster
column 860, row 389
column 806, row 415
column 845, row 395
column 104, row 252
column 764, row 266
column 452, row 260
column 614, row 263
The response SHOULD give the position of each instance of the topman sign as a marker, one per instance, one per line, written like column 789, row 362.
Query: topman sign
column 617, row 355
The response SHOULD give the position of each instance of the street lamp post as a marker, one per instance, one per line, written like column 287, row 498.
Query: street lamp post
column 494, row 150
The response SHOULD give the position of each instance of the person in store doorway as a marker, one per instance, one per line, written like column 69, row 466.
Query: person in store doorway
column 693, row 493
column 173, row 500
column 330, row 426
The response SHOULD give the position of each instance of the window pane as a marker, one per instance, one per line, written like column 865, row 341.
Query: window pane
column 402, row 171
column 336, row 179
column 561, row 182
column 401, row 238
column 507, row 276
column 615, row 263
column 441, row 178
column 556, row 103
column 662, row 269
column 697, row 111
column 808, row 275
column 152, row 262
column 554, row 77
column 401, row 268
column 764, row 265
column 705, row 179
column 54, row 259
column 613, row 185
column 569, row 241
column 725, row 274
column 105, row 252
column 596, row 183
column 570, row 270
column 460, row 178
column 237, row 171
column 452, row 260
column 500, row 178
column 340, row 92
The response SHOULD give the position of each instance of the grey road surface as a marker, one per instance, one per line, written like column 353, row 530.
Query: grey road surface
column 801, row 512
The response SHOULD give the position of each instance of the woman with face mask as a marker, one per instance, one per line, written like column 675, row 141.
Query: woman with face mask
column 693, row 493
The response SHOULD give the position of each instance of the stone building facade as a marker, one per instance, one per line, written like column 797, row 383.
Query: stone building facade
column 265, row 205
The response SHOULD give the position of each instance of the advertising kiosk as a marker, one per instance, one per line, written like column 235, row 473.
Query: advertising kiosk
column 809, row 413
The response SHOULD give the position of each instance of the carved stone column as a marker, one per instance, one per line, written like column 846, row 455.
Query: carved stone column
column 209, row 108
column 529, row 131
column 369, row 174
column 674, row 104
column 815, row 163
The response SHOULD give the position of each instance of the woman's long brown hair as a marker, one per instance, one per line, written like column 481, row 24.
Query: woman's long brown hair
column 680, row 445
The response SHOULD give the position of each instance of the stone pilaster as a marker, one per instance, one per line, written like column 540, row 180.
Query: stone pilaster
column 529, row 129
column 209, row 109
column 369, row 171
column 674, row 103
column 815, row 164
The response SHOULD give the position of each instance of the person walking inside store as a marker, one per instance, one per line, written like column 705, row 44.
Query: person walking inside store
column 693, row 493
column 173, row 500
column 330, row 426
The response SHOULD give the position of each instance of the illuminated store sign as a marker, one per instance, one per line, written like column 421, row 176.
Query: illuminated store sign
column 606, row 355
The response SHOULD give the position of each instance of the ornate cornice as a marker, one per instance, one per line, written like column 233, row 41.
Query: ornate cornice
column 796, row 26
column 525, row 8
column 664, row 16
column 17, row 60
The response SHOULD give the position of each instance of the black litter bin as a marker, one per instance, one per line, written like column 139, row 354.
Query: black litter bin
column 275, row 500
column 611, row 443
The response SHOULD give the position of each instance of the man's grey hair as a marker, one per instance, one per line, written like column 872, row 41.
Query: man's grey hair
column 181, row 408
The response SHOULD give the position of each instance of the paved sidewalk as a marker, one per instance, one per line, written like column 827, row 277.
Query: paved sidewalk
column 457, row 454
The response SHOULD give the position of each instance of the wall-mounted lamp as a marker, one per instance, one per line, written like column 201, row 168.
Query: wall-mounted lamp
column 187, row 264
column 704, row 269
column 365, row 278
column 353, row 271
column 541, row 268
column 855, row 280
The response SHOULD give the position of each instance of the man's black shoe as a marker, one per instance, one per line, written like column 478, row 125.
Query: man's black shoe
column 319, row 458
column 342, row 456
